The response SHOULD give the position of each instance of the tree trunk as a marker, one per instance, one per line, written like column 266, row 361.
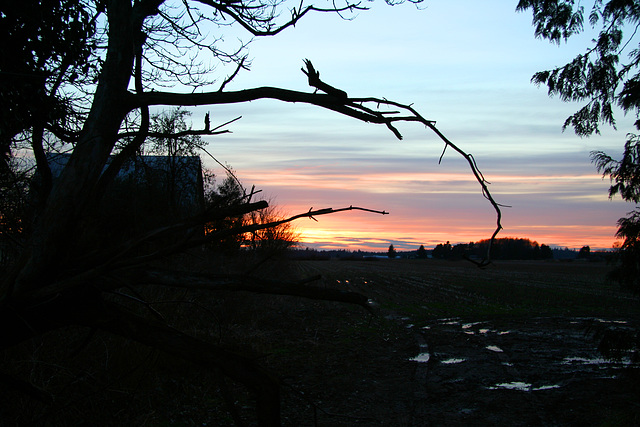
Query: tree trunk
column 51, row 247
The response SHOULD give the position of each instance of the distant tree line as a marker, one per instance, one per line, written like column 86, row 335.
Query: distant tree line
column 504, row 249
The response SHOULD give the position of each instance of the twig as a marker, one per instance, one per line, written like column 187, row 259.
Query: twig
column 234, row 74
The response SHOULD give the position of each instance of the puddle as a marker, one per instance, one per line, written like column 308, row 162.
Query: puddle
column 504, row 332
column 494, row 348
column 449, row 321
column 585, row 361
column 515, row 385
column 546, row 387
column 452, row 361
column 483, row 331
column 522, row 386
column 469, row 325
column 617, row 322
column 596, row 361
column 422, row 357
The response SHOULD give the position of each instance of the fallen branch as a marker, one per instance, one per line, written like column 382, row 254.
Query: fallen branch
column 120, row 261
column 246, row 283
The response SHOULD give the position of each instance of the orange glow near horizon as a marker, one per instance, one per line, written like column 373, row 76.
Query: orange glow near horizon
column 373, row 232
column 427, row 208
column 344, row 234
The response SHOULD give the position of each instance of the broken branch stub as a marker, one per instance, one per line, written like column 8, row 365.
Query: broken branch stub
column 375, row 115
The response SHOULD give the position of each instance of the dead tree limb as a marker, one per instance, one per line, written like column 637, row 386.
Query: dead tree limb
column 246, row 283
column 90, row 271
column 364, row 109
column 314, row 81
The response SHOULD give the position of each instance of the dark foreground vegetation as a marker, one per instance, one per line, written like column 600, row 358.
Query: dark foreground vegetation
column 340, row 365
column 100, row 327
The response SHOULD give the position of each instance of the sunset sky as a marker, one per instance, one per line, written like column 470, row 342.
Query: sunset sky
column 465, row 64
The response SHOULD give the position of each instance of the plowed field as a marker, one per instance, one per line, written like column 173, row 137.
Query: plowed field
column 513, row 344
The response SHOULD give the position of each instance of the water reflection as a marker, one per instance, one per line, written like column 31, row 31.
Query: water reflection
column 422, row 357
column 522, row 386
column 452, row 361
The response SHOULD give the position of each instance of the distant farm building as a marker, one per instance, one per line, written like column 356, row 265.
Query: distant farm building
column 148, row 192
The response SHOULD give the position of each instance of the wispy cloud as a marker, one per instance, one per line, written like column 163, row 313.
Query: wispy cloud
column 471, row 75
column 564, row 206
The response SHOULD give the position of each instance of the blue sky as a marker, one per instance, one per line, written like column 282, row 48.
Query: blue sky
column 465, row 64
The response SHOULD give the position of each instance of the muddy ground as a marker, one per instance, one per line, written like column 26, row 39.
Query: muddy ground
column 539, row 371
column 449, row 344
column 526, row 364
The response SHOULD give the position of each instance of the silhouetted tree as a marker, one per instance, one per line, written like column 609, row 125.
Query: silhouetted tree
column 545, row 252
column 598, row 76
column 625, row 178
column 170, row 135
column 536, row 251
column 273, row 240
column 86, row 75
column 47, row 49
column 513, row 248
column 442, row 250
column 391, row 253
column 459, row 251
column 226, row 195
column 602, row 77
column 584, row 252
column 628, row 273
column 421, row 253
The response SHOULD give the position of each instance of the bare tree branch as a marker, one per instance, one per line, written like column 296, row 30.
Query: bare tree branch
column 190, row 240
column 364, row 109
column 234, row 74
column 188, row 132
column 88, row 271
column 251, row 20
